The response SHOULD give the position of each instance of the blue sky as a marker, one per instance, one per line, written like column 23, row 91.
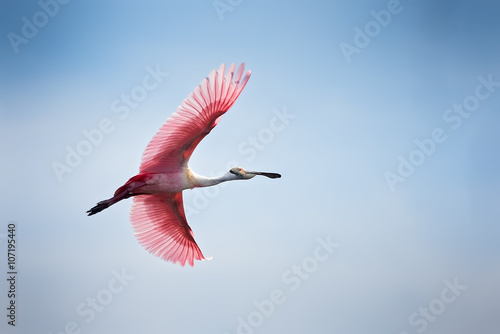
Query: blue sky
column 389, row 157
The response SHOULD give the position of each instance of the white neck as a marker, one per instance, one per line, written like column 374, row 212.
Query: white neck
column 203, row 181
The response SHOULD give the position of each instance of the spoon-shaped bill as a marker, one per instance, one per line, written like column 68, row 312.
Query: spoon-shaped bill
column 269, row 175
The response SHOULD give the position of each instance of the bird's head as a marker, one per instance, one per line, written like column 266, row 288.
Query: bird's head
column 245, row 175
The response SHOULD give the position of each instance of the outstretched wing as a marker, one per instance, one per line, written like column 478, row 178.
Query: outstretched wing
column 198, row 114
column 160, row 226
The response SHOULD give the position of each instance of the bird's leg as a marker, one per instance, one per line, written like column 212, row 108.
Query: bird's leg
column 101, row 206
column 108, row 202
column 125, row 191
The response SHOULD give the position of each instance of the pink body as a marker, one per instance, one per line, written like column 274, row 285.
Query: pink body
column 165, row 183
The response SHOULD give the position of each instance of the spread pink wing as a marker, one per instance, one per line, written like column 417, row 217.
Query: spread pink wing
column 159, row 221
column 172, row 146
column 160, row 226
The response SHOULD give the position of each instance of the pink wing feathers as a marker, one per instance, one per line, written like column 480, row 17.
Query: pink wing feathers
column 159, row 220
column 160, row 226
column 198, row 114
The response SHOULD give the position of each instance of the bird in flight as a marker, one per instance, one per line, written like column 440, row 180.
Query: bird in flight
column 157, row 213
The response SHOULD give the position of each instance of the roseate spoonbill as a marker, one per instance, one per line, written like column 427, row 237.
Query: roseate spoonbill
column 157, row 213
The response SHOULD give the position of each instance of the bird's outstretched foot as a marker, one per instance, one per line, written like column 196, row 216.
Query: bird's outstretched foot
column 99, row 207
